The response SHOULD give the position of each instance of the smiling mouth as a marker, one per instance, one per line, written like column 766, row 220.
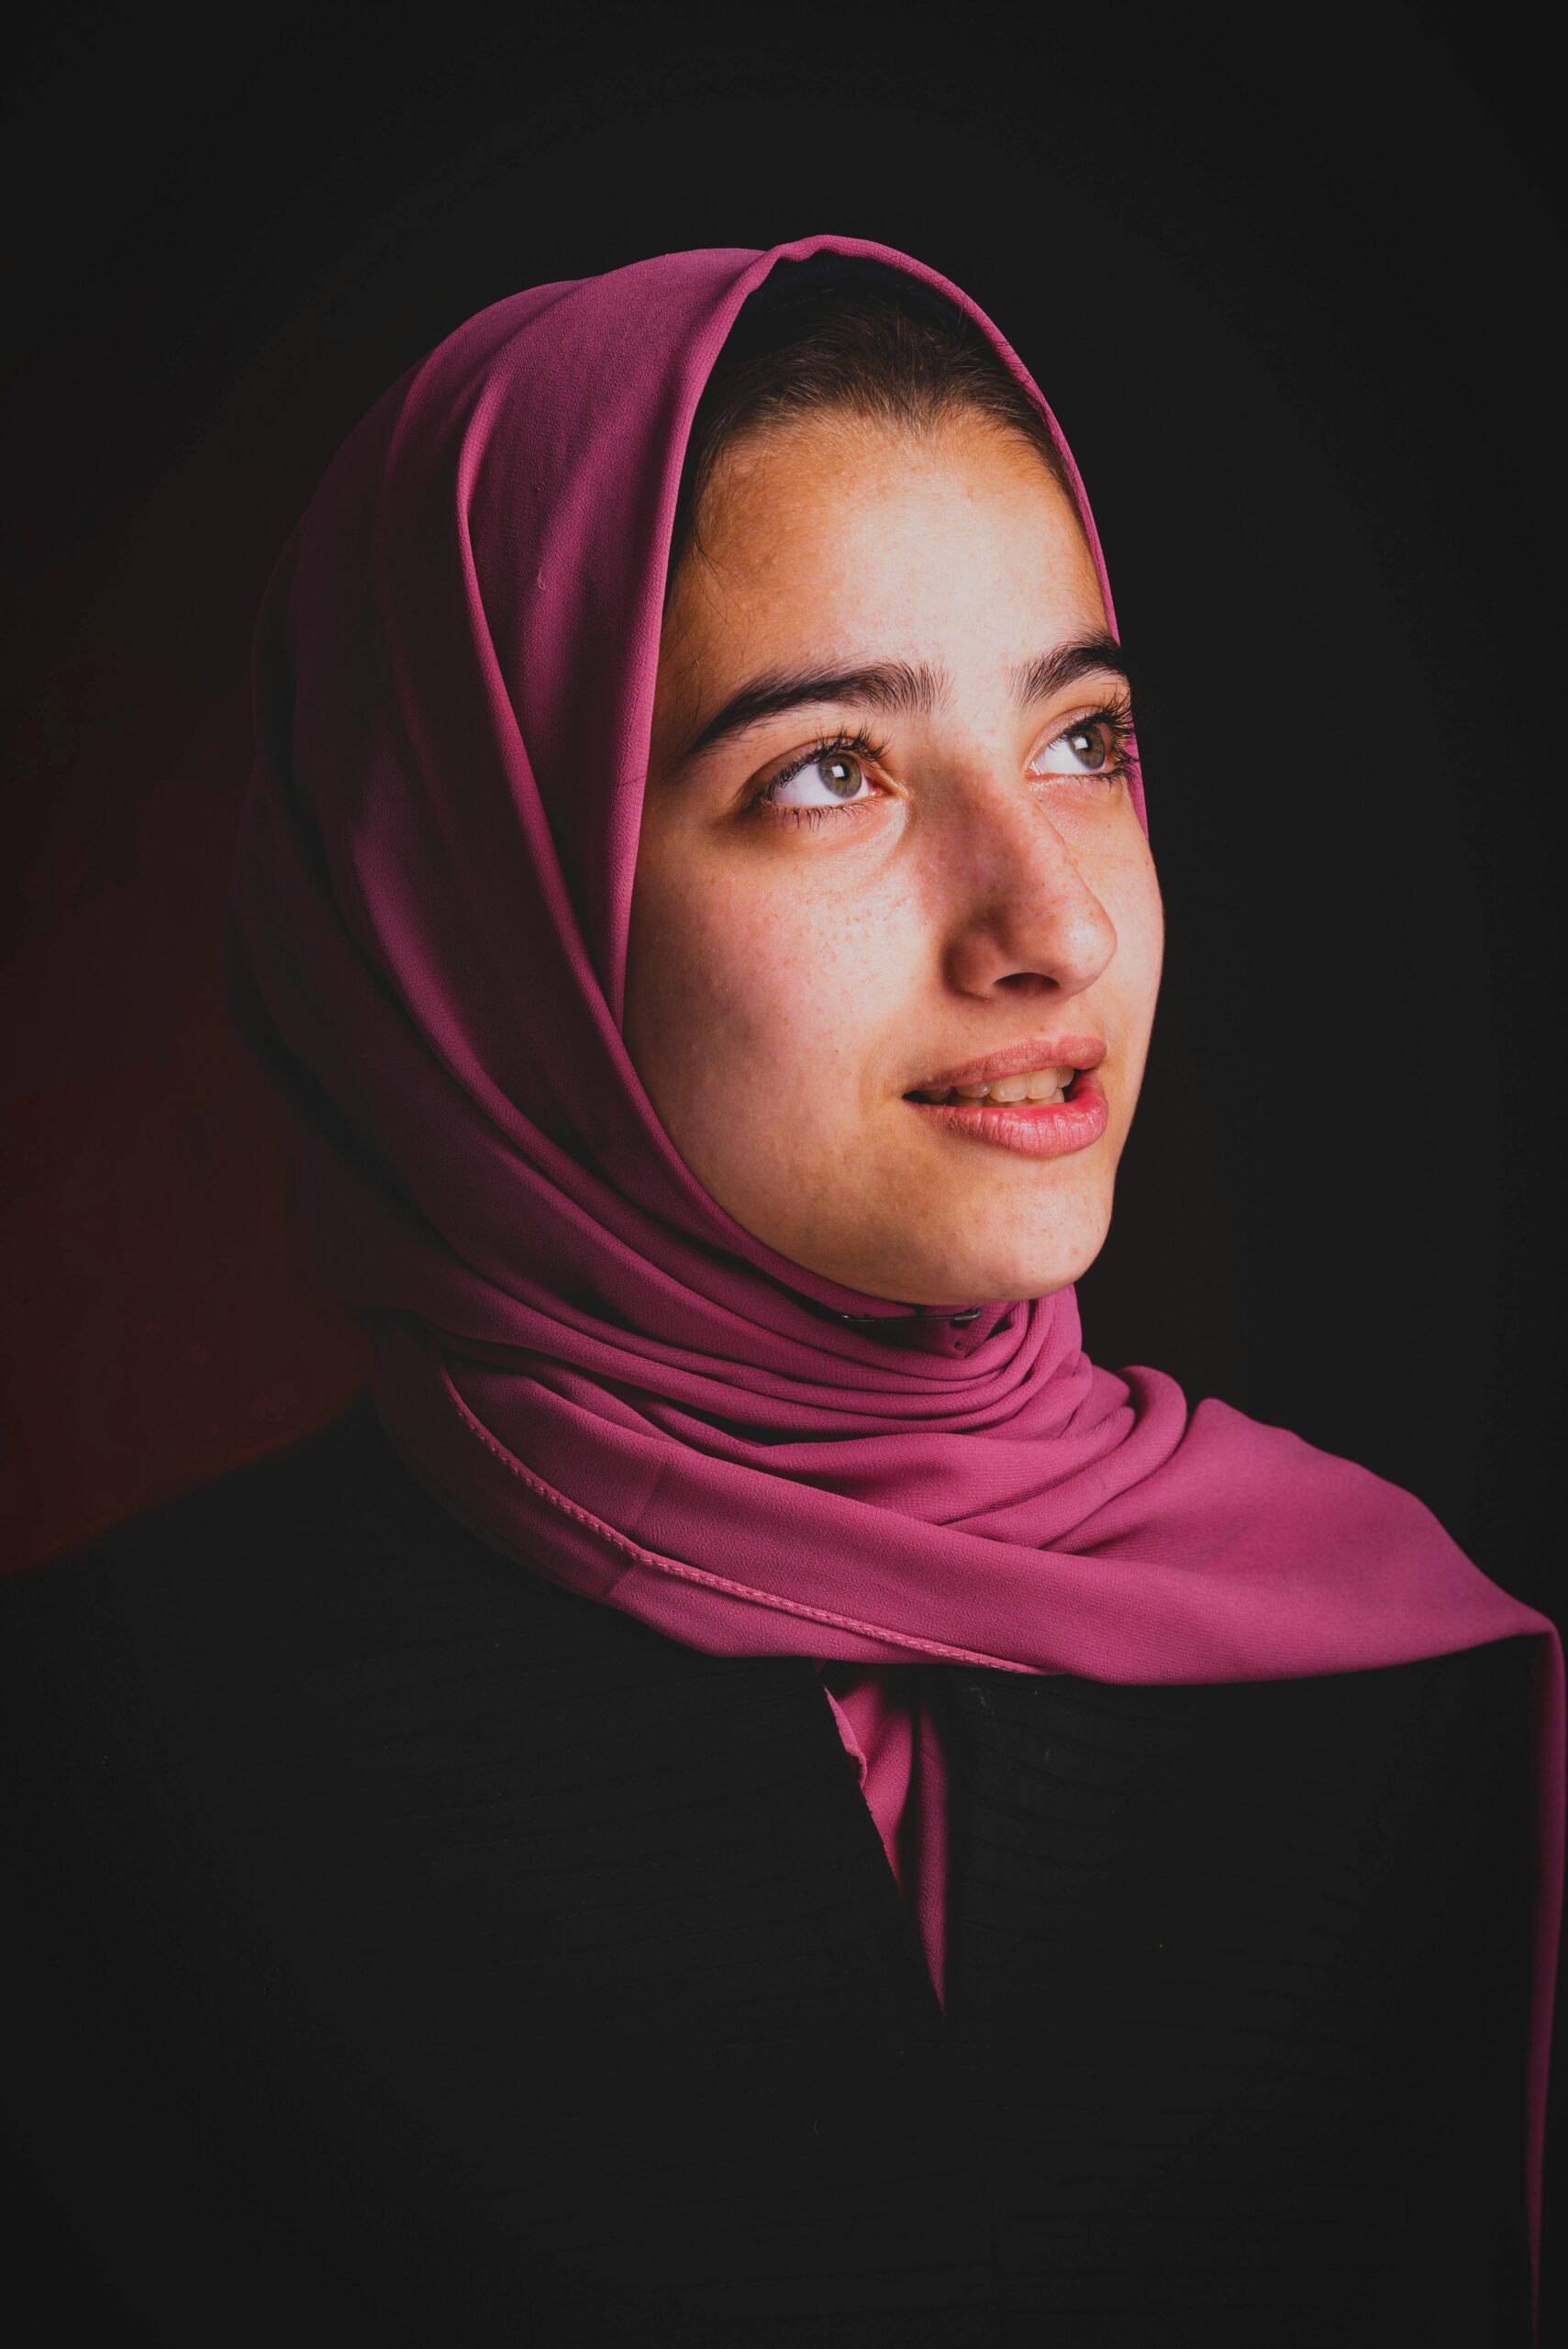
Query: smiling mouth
column 1040, row 1113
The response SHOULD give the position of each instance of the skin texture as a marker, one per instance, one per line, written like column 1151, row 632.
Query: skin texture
column 788, row 982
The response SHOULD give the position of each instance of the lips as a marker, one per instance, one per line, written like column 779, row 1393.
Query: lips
column 1051, row 1127
column 1061, row 1058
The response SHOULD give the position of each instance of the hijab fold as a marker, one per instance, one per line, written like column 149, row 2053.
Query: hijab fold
column 576, row 1347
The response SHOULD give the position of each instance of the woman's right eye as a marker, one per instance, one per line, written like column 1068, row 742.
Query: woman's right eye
column 830, row 778
column 823, row 782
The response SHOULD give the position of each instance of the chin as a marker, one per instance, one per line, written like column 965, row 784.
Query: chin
column 995, row 1287
column 1033, row 1264
column 1016, row 1266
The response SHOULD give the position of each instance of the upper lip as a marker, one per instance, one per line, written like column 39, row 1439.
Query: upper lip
column 1018, row 1059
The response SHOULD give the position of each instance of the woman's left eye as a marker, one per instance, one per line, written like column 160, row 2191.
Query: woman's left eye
column 1091, row 746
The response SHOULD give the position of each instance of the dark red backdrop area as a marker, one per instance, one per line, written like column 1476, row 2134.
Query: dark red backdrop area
column 1285, row 299
column 157, row 1327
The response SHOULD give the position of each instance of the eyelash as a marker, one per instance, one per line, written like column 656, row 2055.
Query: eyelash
column 1115, row 716
column 860, row 745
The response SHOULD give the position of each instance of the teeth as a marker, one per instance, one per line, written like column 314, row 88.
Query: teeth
column 1037, row 1084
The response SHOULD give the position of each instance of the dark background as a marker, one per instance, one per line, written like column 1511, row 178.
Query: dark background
column 1283, row 283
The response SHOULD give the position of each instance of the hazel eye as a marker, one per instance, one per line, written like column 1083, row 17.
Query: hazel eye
column 839, row 773
column 1090, row 747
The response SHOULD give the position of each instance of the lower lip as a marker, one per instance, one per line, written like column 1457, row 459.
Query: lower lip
column 1038, row 1128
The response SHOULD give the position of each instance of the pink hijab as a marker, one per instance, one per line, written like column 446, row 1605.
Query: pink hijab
column 576, row 1348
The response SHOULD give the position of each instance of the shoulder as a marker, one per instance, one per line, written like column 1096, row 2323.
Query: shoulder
column 274, row 1515
column 1395, row 1723
column 1410, row 1783
column 313, row 1558
column 299, row 1767
column 336, row 1496
column 196, row 1694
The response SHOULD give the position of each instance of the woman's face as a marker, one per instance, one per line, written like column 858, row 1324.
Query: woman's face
column 819, row 933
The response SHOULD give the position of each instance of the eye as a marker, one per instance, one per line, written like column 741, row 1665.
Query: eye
column 825, row 779
column 1089, row 746
column 830, row 775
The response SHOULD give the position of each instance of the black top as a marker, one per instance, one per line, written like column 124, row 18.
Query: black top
column 410, row 1951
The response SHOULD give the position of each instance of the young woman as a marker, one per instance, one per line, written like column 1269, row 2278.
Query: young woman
column 746, row 1793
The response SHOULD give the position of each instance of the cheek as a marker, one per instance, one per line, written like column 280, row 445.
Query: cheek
column 1128, row 888
column 785, row 985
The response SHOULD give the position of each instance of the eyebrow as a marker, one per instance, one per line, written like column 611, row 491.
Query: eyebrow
column 898, row 687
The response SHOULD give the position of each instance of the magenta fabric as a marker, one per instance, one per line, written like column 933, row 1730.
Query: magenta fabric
column 894, row 1742
column 576, row 1348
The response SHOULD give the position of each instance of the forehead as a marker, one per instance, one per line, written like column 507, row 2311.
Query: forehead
column 836, row 533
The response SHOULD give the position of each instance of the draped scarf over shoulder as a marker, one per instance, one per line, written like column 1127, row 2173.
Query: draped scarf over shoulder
column 576, row 1347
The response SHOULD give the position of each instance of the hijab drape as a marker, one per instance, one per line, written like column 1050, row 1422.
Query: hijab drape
column 574, row 1346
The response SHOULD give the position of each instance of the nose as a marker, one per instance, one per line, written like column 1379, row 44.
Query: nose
column 1020, row 912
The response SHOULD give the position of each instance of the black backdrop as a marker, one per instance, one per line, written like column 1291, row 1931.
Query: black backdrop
column 1284, row 282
